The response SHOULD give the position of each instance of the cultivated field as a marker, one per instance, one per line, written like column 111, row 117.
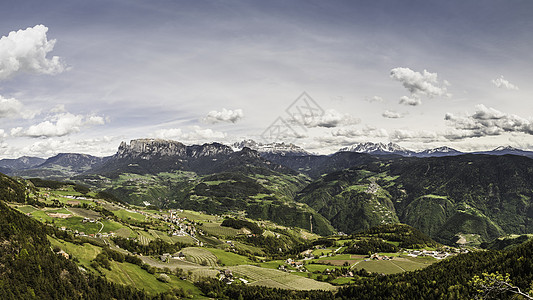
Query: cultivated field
column 278, row 279
column 200, row 256
column 217, row 230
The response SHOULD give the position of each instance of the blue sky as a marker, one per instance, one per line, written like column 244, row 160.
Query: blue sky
column 81, row 76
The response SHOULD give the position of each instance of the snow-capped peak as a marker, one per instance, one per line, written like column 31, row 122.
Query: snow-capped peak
column 506, row 148
column 377, row 148
column 274, row 148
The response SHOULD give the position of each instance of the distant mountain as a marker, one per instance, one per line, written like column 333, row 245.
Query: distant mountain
column 73, row 161
column 62, row 165
column 23, row 162
column 272, row 148
column 378, row 149
column 438, row 152
column 505, row 150
column 394, row 149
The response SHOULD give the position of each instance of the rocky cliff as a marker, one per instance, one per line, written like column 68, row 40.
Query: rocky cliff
column 152, row 148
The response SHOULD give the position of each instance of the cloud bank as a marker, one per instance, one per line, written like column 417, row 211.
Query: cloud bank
column 487, row 122
column 392, row 114
column 59, row 125
column 26, row 50
column 196, row 134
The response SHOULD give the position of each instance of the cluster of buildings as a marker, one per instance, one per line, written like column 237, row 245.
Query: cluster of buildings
column 429, row 253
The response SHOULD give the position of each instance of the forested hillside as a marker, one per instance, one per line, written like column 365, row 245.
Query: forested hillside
column 444, row 197
column 31, row 270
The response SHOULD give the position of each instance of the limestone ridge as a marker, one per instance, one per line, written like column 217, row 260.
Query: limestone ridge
column 156, row 148
column 147, row 148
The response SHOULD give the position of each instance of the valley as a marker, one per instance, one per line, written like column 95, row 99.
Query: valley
column 166, row 218
column 187, row 246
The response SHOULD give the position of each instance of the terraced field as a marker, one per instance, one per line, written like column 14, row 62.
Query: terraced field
column 125, row 232
column 144, row 237
column 278, row 279
column 200, row 256
column 171, row 264
column 217, row 230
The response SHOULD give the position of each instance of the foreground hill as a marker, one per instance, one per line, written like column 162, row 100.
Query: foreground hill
column 444, row 197
column 29, row 268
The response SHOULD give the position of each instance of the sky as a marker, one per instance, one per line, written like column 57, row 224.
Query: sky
column 82, row 76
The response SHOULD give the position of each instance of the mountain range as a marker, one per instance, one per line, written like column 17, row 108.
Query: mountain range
column 395, row 149
column 443, row 192
column 74, row 163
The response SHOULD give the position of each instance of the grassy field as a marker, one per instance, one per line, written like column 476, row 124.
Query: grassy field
column 318, row 252
column 249, row 248
column 130, row 274
column 396, row 265
column 196, row 216
column 75, row 223
column 26, row 209
column 278, row 279
column 229, row 258
column 111, row 226
column 129, row 216
column 84, row 253
column 273, row 264
column 183, row 239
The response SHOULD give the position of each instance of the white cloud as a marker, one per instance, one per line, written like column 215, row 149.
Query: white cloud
column 413, row 101
column 10, row 107
column 392, row 114
column 367, row 132
column 168, row 134
column 504, row 84
column 330, row 118
column 26, row 50
column 13, row 108
column 195, row 134
column 59, row 125
column 2, row 133
column 419, row 84
column 17, row 131
column 60, row 108
column 486, row 122
column 374, row 99
column 226, row 115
